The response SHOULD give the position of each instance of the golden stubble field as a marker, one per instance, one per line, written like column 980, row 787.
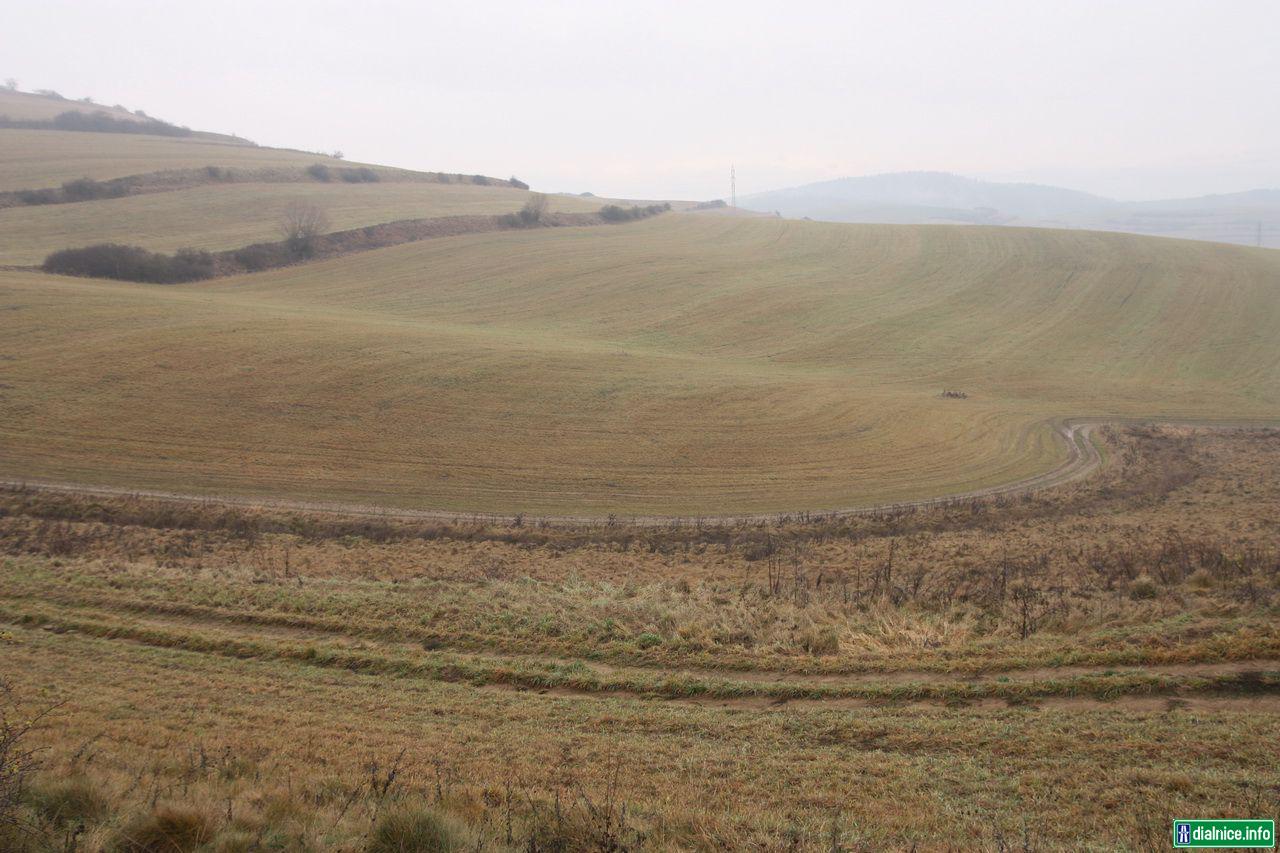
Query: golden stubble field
column 684, row 365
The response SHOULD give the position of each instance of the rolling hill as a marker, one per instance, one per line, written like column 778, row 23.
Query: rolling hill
column 940, row 197
column 682, row 365
column 225, row 216
column 688, row 364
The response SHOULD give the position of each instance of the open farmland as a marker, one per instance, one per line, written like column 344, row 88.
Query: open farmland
column 683, row 365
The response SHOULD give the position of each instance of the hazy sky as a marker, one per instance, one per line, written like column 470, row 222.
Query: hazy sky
column 1127, row 98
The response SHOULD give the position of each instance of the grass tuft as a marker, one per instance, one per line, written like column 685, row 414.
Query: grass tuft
column 417, row 829
column 167, row 829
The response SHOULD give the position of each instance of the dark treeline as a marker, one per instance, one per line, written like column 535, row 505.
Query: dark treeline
column 81, row 189
column 132, row 263
column 350, row 174
column 617, row 213
column 97, row 122
column 87, row 189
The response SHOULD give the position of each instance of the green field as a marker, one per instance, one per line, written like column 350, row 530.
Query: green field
column 682, row 365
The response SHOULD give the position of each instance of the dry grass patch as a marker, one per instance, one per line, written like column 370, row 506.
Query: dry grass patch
column 264, row 679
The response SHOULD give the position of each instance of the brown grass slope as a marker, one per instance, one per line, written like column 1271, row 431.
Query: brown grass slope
column 1001, row 672
column 27, row 106
column 676, row 366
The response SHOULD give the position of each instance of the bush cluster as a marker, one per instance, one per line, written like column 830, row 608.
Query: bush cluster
column 617, row 213
column 529, row 215
column 87, row 189
column 80, row 189
column 263, row 256
column 131, row 263
column 97, row 122
column 355, row 175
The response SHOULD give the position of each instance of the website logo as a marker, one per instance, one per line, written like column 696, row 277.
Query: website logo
column 1224, row 833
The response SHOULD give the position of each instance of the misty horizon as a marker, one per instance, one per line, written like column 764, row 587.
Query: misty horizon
column 1144, row 101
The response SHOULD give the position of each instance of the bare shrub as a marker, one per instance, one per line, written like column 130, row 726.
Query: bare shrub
column 18, row 760
column 534, row 209
column 301, row 224
column 528, row 216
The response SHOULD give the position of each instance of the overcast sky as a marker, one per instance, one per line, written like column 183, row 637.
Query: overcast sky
column 1127, row 98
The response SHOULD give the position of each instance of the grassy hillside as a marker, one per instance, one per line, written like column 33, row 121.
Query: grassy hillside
column 228, row 216
column 680, row 365
column 25, row 106
column 44, row 158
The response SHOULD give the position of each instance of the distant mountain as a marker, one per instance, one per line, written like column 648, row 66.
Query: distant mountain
column 941, row 197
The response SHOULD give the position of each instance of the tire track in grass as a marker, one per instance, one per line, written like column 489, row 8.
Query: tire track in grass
column 578, row 679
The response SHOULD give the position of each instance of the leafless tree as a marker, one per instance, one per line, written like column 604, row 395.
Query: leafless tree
column 534, row 208
column 11, row 84
column 302, row 223
column 18, row 760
